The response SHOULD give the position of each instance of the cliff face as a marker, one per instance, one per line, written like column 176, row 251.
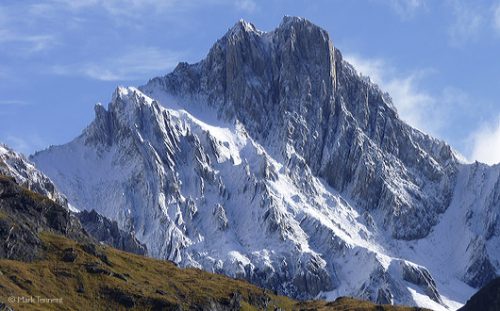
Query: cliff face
column 274, row 161
column 296, row 96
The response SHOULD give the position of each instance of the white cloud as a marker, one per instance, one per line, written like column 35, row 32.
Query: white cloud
column 486, row 143
column 412, row 103
column 133, row 65
column 467, row 22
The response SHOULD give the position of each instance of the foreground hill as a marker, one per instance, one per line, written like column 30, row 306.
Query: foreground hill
column 47, row 258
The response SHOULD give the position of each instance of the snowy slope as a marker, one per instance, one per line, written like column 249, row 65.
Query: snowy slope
column 273, row 161
column 14, row 164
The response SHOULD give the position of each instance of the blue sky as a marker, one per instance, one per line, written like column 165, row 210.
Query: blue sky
column 440, row 60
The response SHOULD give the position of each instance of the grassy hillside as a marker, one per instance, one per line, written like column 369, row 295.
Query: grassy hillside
column 90, row 277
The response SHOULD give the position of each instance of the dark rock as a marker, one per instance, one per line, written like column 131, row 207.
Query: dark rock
column 81, row 287
column 160, row 292
column 107, row 231
column 95, row 268
column 421, row 277
column 92, row 249
column 64, row 273
column 69, row 255
column 261, row 301
column 480, row 270
column 384, row 296
column 161, row 305
column 21, row 283
column 125, row 299
column 24, row 215
column 486, row 299
column 119, row 276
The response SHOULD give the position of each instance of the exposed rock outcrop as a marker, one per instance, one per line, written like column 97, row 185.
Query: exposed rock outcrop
column 107, row 231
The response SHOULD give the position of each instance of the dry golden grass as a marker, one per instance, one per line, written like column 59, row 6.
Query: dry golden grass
column 128, row 280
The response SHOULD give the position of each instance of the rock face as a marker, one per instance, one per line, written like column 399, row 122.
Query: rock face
column 421, row 277
column 107, row 231
column 24, row 214
column 274, row 161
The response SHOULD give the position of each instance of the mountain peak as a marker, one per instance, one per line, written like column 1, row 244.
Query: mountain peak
column 241, row 27
column 291, row 20
column 296, row 27
column 126, row 98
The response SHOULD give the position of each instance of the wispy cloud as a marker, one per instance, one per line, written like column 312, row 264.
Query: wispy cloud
column 28, row 43
column 468, row 19
column 12, row 102
column 26, row 144
column 246, row 5
column 486, row 143
column 406, row 8
column 20, row 39
column 133, row 65
column 121, row 8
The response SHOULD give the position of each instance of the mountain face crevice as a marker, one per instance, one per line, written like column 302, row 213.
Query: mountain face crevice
column 274, row 161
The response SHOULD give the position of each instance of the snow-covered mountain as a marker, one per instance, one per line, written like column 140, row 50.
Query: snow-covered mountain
column 15, row 165
column 274, row 161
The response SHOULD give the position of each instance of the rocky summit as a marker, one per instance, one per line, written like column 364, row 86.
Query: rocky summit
column 273, row 160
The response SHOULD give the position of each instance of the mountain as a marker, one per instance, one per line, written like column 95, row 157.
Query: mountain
column 274, row 161
column 47, row 261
